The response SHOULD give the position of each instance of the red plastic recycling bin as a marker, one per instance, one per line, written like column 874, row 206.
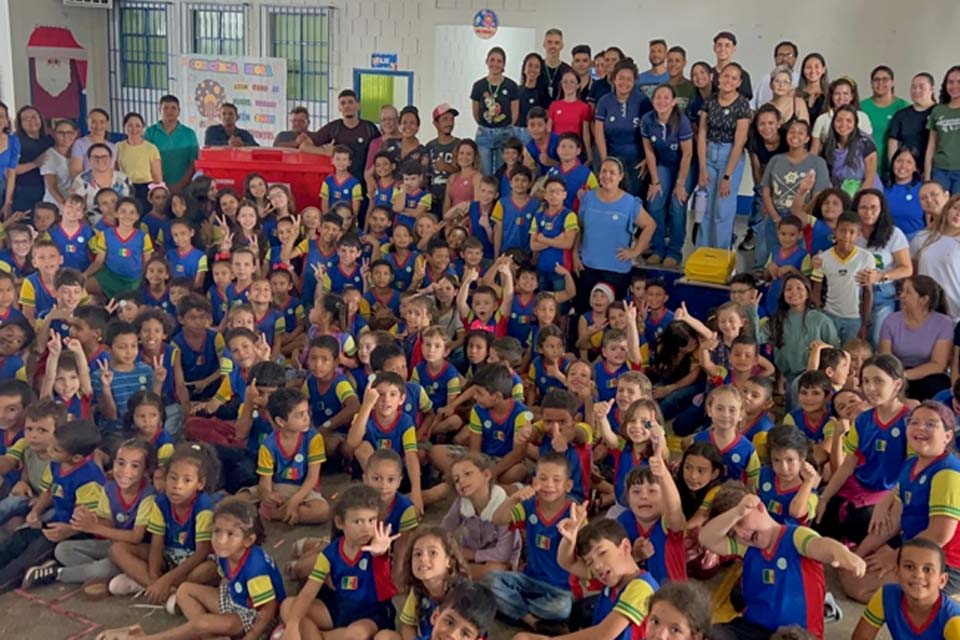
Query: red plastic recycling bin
column 302, row 172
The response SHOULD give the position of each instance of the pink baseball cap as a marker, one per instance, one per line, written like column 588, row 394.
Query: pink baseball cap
column 443, row 108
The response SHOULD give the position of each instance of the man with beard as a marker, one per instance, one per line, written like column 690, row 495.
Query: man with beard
column 581, row 65
column 299, row 130
column 348, row 130
column 553, row 67
column 657, row 74
column 440, row 150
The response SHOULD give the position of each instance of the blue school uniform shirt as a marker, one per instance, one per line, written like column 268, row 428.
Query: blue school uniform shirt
column 383, row 194
column 199, row 364
column 401, row 515
column 927, row 493
column 391, row 301
column 515, row 220
column 479, row 232
column 630, row 602
column 654, row 327
column 125, row 256
column 740, row 458
column 553, row 226
column 606, row 379
column 336, row 192
column 13, row 367
column 271, row 323
column 814, row 432
column 158, row 226
column 783, row 587
column 7, row 442
column 888, row 607
column 542, row 380
column 669, row 560
column 293, row 314
column 326, row 398
column 9, row 262
column 171, row 353
column 400, row 435
column 81, row 486
column 187, row 265
column 220, row 303
column 578, row 457
column 881, row 448
column 411, row 201
column 34, row 291
column 625, row 459
column 236, row 295
column 127, row 515
column 357, row 582
column 59, row 327
column 550, row 150
column 818, row 236
column 417, row 402
column 542, row 541
column 161, row 301
column 798, row 259
column 666, row 139
column 577, row 177
column 255, row 581
column 290, row 467
column 338, row 278
column 182, row 534
column 497, row 432
column 777, row 501
column 520, row 322
column 402, row 269
column 75, row 248
column 621, row 121
column 438, row 385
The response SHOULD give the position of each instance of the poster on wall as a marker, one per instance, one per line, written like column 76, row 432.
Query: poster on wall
column 257, row 86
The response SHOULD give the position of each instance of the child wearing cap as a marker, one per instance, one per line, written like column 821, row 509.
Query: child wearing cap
column 440, row 150
column 594, row 321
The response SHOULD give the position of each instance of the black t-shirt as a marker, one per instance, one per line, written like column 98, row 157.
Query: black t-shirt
column 356, row 138
column 909, row 127
column 598, row 89
column 30, row 150
column 440, row 152
column 530, row 98
column 495, row 101
column 550, row 79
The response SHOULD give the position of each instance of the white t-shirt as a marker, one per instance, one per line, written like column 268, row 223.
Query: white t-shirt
column 941, row 261
column 843, row 292
column 822, row 125
column 883, row 256
column 58, row 165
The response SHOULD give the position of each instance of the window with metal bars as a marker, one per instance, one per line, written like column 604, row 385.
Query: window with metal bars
column 143, row 46
column 302, row 36
column 218, row 31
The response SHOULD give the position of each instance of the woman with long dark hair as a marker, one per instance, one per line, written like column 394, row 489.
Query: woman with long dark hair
column 496, row 108
column 942, row 162
column 796, row 325
column 903, row 193
column 533, row 93
column 850, row 153
column 34, row 143
column 617, row 120
column 814, row 84
column 843, row 91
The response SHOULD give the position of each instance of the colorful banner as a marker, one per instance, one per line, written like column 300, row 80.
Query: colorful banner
column 258, row 86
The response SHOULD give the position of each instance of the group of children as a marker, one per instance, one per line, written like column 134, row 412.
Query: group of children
column 172, row 380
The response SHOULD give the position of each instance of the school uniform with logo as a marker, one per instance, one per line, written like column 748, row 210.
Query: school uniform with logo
column 335, row 191
column 400, row 435
column 880, row 448
column 739, row 457
column 181, row 529
column 630, row 602
column 777, row 501
column 934, row 491
column 888, row 606
column 515, row 220
column 125, row 514
column 439, row 386
column 74, row 248
column 359, row 588
column 326, row 398
column 497, row 432
column 253, row 583
column 78, row 486
column 290, row 467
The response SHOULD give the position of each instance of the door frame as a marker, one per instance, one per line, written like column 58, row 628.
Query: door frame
column 358, row 72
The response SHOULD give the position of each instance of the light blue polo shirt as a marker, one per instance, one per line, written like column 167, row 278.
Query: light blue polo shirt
column 177, row 150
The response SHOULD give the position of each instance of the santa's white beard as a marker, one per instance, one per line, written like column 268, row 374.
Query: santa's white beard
column 53, row 75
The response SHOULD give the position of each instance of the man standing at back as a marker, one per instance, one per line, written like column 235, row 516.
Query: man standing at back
column 177, row 144
column 554, row 67
column 724, row 46
column 657, row 74
column 441, row 154
column 348, row 130
column 299, row 130
column 784, row 54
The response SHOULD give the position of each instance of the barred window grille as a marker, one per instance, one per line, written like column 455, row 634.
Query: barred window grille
column 215, row 29
column 140, row 54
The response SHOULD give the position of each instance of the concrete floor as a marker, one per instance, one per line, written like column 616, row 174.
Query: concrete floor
column 58, row 613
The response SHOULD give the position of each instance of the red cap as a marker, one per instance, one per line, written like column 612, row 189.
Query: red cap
column 443, row 108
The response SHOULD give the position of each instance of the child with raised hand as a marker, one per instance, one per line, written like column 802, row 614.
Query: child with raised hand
column 289, row 462
column 654, row 521
column 549, row 365
column 725, row 409
column 155, row 327
column 121, row 516
column 71, row 480
column 358, row 602
column 180, row 525
column 539, row 596
column 245, row 603
column 485, row 546
column 641, row 438
column 124, row 374
column 788, row 485
column 602, row 550
column 783, row 581
column 873, row 454
column 914, row 605
column 66, row 378
column 484, row 312
column 433, row 567
column 382, row 424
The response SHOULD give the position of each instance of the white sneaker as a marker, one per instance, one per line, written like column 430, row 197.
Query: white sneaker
column 123, row 585
column 171, row 606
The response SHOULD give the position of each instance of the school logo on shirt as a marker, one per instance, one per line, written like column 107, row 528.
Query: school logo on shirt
column 124, row 252
column 291, row 474
column 349, row 583
column 907, row 495
column 881, row 445
column 121, row 518
column 500, row 436
column 182, row 538
column 384, row 443
column 238, row 587
column 56, row 490
column 71, row 248
column 542, row 542
column 775, row 508
column 769, row 576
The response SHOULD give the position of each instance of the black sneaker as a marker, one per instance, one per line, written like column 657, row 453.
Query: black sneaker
column 41, row 574
column 749, row 242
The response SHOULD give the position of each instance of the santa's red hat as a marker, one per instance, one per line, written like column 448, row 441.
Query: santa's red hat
column 58, row 42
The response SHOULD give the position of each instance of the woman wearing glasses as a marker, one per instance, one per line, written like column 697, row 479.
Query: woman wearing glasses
column 101, row 175
column 98, row 123
column 56, row 163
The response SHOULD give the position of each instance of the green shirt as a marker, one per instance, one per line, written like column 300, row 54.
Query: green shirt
column 799, row 330
column 880, row 120
column 946, row 122
column 177, row 150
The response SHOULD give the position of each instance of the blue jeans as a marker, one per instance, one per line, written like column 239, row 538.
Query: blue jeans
column 518, row 595
column 490, row 142
column 847, row 328
column 675, row 402
column 883, row 306
column 949, row 180
column 670, row 214
column 717, row 227
column 766, row 241
column 13, row 507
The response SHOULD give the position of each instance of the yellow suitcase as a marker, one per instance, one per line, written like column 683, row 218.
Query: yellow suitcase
column 707, row 264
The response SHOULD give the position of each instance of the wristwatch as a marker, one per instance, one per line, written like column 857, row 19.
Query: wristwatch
column 884, row 278
column 726, row 177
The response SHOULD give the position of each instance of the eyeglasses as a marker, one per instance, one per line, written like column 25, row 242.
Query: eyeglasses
column 66, row 132
column 100, row 157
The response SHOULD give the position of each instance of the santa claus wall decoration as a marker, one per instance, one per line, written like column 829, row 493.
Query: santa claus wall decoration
column 58, row 74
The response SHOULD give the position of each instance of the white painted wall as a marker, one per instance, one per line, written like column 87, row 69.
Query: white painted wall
column 854, row 35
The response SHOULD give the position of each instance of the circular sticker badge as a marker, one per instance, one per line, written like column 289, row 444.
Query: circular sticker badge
column 485, row 23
